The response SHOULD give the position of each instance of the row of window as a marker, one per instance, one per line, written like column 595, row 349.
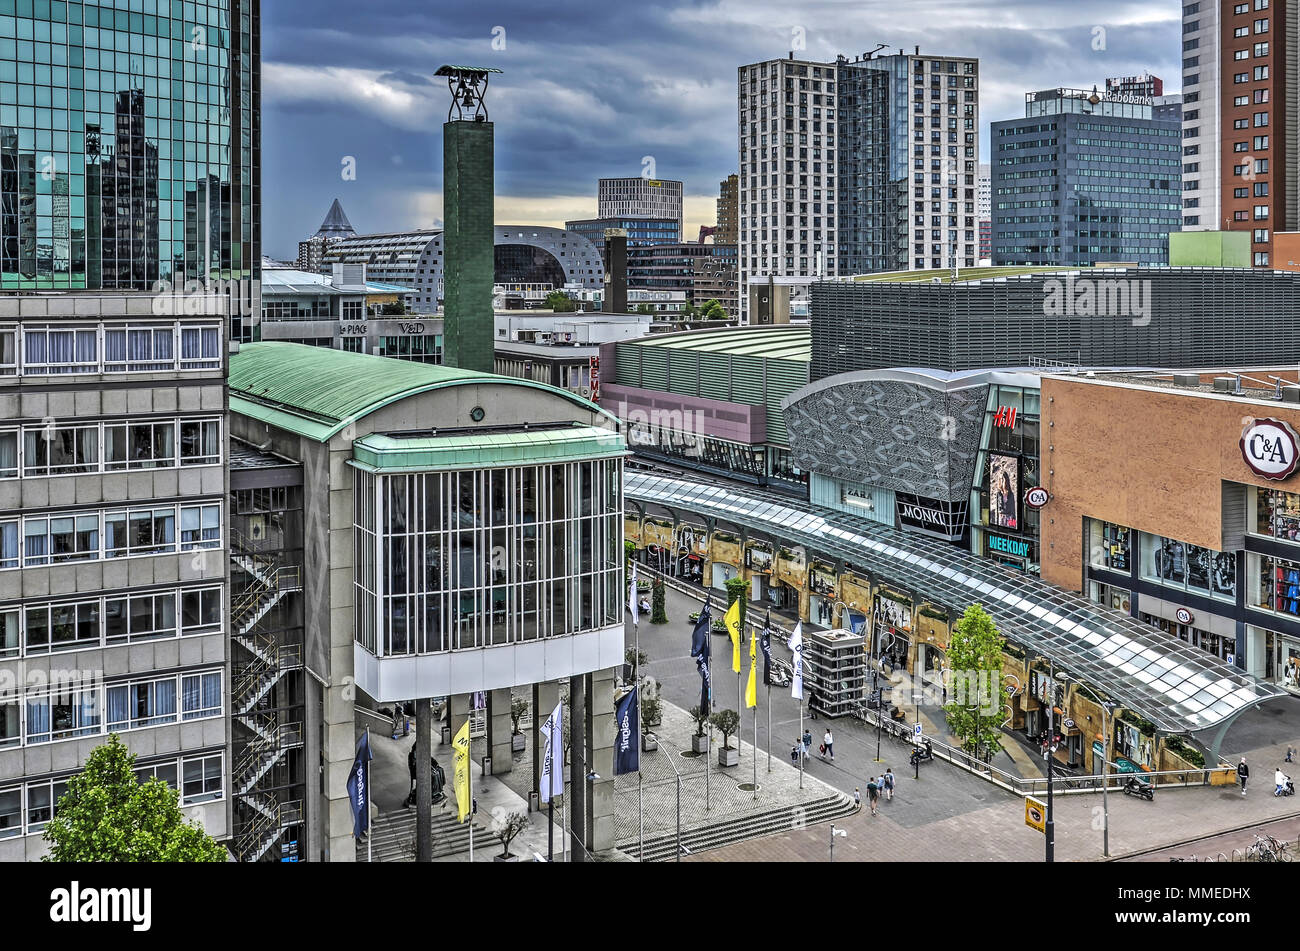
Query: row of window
column 60, row 349
column 107, row 621
column 25, row 809
column 98, row 709
column 92, row 536
column 38, row 451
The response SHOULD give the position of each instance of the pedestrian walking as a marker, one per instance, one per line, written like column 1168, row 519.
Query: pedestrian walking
column 410, row 765
column 1243, row 774
column 807, row 742
column 1281, row 779
column 1290, row 753
column 812, row 704
column 873, row 794
column 828, row 744
column 857, row 797
column 889, row 784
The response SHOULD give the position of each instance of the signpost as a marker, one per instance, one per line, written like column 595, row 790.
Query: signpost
column 1035, row 814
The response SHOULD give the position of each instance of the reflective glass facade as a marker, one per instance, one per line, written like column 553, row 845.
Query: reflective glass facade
column 129, row 143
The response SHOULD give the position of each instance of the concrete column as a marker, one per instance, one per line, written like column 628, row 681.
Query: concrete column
column 600, row 729
column 458, row 710
column 545, row 697
column 423, row 781
column 578, row 768
column 498, row 731
column 315, row 803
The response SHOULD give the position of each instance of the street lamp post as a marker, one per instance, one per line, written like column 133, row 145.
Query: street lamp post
column 916, row 747
column 837, row 833
column 1051, row 735
column 678, row 857
column 1107, row 713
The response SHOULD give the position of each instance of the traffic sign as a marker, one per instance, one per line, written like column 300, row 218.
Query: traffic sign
column 916, row 730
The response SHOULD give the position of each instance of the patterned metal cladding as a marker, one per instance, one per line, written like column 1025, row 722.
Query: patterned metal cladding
column 888, row 433
column 1162, row 317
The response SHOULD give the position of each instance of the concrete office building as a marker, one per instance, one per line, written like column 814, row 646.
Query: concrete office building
column 640, row 198
column 1007, row 317
column 414, row 479
column 1085, row 178
column 701, row 271
column 641, row 232
column 113, row 539
column 984, row 213
column 1201, row 110
column 728, row 228
column 524, row 254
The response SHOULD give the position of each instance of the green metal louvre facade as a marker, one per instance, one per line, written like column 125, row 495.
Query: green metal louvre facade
column 1156, row 317
column 739, row 366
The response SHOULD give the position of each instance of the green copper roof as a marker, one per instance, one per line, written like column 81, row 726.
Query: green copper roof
column 777, row 343
column 316, row 392
column 378, row 452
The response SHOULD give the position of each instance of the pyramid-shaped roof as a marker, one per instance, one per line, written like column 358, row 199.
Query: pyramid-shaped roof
column 336, row 223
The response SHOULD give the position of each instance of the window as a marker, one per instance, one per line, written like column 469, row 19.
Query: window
column 1261, row 189
column 8, row 351
column 60, row 351
column 1241, row 31
column 200, row 526
column 140, row 617
column 11, row 812
column 139, row 532
column 1240, row 193
column 9, row 635
column 1261, row 50
column 10, row 730
column 1261, row 72
column 63, row 715
column 202, row 778
column 201, row 611
column 200, row 348
column 141, row 704
column 9, row 454
column 1261, row 212
column 9, row 544
column 139, row 349
column 51, row 627
column 200, row 696
column 1179, row 565
column 1110, row 545
column 1241, row 123
column 1261, row 259
column 139, row 445
column 200, row 442
column 1261, row 142
column 1261, row 119
column 60, row 450
column 1261, row 26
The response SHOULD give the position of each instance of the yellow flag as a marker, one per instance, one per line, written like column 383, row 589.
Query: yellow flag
column 461, row 775
column 732, row 620
column 751, row 691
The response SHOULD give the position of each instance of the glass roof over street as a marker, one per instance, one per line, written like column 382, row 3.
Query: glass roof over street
column 1179, row 688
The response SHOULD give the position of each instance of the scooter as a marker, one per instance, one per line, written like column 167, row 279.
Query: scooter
column 921, row 755
column 1135, row 787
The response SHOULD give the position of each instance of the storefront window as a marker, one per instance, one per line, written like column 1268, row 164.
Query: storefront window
column 1219, row 645
column 1110, row 545
column 1279, row 586
column 1277, row 514
column 1177, row 564
column 1111, row 596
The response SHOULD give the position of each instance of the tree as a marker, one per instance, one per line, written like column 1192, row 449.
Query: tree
column 629, row 550
column 644, row 309
column 975, row 659
column 652, row 711
column 108, row 815
column 658, row 612
column 393, row 309
column 726, row 722
column 506, row 828
column 560, row 302
column 713, row 310
column 701, row 717
column 518, row 707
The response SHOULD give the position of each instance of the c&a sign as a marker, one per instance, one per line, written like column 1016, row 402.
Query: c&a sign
column 1269, row 447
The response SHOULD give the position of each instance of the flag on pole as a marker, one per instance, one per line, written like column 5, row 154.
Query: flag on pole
column 461, row 781
column 751, row 689
column 732, row 620
column 359, row 786
column 796, row 648
column 552, row 731
column 633, row 604
column 480, row 700
column 765, row 642
column 627, row 752
column 700, row 650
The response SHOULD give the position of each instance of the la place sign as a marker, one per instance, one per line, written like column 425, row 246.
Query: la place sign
column 1270, row 448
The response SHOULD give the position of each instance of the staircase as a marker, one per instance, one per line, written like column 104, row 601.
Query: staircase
column 262, row 663
column 660, row 848
column 393, row 836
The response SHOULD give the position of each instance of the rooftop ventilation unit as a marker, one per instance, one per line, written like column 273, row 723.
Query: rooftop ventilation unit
column 1187, row 379
column 1224, row 384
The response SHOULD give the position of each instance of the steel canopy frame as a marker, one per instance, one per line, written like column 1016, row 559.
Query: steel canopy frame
column 1179, row 688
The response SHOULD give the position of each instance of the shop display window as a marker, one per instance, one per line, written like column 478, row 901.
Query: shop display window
column 1177, row 564
column 1277, row 514
column 1279, row 586
column 1110, row 545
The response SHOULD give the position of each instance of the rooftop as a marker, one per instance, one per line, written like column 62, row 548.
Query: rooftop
column 288, row 280
column 316, row 392
column 1275, row 385
column 944, row 276
column 777, row 343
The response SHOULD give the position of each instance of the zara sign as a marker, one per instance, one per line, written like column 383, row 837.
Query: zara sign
column 1269, row 447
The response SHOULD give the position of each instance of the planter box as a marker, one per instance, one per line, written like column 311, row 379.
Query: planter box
column 649, row 742
column 700, row 744
column 728, row 756
column 505, row 858
column 518, row 743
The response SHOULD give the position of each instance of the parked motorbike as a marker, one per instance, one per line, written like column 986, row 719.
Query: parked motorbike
column 921, row 754
column 1135, row 787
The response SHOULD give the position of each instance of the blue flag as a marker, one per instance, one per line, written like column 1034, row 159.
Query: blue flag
column 701, row 650
column 359, row 787
column 627, row 748
column 765, row 642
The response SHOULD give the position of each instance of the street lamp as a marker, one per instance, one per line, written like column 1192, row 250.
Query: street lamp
column 916, row 747
column 1108, row 708
column 1047, row 755
column 837, row 833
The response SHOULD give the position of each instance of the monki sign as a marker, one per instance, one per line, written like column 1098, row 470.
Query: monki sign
column 1269, row 447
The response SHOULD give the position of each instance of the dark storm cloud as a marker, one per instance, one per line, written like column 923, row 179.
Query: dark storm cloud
column 592, row 88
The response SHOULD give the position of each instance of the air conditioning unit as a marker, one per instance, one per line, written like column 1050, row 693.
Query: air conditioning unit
column 257, row 528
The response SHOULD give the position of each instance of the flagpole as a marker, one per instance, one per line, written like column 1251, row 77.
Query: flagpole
column 753, row 663
column 369, row 830
column 708, row 730
column 802, row 752
column 769, row 728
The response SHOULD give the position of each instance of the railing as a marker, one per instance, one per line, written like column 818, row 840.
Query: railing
column 260, row 832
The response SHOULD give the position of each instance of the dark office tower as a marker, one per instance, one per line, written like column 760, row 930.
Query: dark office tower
column 128, row 164
column 468, row 238
column 615, row 272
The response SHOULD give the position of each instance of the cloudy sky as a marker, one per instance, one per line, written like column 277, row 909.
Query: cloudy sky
column 592, row 87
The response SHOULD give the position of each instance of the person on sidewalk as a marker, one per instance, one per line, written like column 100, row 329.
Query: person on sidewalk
column 888, row 780
column 829, row 744
column 1290, row 753
column 410, row 765
column 1281, row 779
column 812, row 704
column 1243, row 774
column 873, row 794
column 857, row 797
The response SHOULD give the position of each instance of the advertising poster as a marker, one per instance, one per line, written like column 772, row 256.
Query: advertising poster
column 1004, row 491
